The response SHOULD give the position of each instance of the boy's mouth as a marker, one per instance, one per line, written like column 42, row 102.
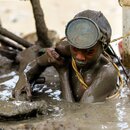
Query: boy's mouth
column 81, row 63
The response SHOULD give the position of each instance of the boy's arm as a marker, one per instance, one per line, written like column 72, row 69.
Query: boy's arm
column 63, row 48
column 65, row 83
column 31, row 72
column 102, row 86
column 35, row 68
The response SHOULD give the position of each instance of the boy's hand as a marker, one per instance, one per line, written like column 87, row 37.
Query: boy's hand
column 54, row 58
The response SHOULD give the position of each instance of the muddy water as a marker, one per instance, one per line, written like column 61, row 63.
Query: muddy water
column 112, row 115
column 48, row 111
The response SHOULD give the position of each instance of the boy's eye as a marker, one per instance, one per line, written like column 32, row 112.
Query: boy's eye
column 91, row 51
column 74, row 49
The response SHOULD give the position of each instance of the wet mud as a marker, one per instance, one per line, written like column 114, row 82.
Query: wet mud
column 48, row 111
column 62, row 115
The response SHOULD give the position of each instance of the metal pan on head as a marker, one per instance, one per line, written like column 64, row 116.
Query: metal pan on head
column 82, row 33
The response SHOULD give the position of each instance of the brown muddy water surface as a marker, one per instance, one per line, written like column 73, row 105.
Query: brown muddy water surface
column 48, row 111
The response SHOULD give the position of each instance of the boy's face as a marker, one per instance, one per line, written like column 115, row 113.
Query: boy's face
column 86, row 57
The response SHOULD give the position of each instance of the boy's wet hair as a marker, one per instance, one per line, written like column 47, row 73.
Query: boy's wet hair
column 100, row 20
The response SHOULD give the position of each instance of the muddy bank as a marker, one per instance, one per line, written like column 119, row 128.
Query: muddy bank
column 111, row 115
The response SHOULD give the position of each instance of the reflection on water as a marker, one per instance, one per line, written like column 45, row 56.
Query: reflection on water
column 121, row 114
column 125, row 91
column 8, row 85
column 120, row 111
column 52, row 92
column 123, row 125
column 9, row 80
column 8, row 74
column 55, row 111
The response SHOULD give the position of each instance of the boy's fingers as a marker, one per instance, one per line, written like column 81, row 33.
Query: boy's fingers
column 52, row 53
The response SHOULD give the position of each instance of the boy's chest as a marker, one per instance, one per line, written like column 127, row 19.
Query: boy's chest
column 77, row 87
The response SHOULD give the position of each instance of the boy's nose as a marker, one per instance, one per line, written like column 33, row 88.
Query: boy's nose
column 80, row 56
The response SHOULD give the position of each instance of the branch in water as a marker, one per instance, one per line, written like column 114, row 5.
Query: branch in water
column 40, row 24
column 8, row 43
column 12, row 36
column 8, row 53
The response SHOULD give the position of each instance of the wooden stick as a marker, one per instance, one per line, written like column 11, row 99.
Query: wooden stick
column 9, row 43
column 9, row 54
column 41, row 27
column 12, row 36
